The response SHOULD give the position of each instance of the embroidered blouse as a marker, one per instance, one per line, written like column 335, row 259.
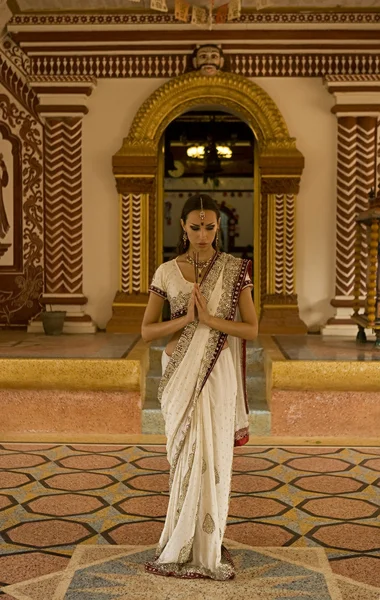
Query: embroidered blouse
column 169, row 283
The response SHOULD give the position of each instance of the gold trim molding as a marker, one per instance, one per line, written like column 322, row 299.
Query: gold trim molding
column 136, row 166
column 231, row 92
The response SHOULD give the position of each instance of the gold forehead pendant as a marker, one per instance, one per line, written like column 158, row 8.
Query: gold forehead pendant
column 202, row 214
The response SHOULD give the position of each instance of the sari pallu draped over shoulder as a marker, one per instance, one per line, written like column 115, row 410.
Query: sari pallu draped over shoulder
column 185, row 384
column 197, row 352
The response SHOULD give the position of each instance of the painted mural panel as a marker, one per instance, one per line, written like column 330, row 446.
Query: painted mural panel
column 21, row 208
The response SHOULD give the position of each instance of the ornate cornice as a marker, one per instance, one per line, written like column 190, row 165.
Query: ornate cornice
column 259, row 44
column 65, row 80
column 135, row 185
column 296, row 63
column 281, row 299
column 280, row 185
column 20, row 60
column 52, row 92
column 258, row 18
column 354, row 94
column 359, row 108
column 352, row 79
column 369, row 82
column 17, row 85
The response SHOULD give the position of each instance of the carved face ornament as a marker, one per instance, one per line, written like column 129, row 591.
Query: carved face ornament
column 208, row 60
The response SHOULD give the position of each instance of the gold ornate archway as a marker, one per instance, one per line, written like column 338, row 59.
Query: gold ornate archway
column 278, row 170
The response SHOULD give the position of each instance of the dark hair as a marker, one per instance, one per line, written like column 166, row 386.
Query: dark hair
column 194, row 203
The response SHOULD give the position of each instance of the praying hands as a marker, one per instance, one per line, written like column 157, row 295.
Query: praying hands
column 201, row 306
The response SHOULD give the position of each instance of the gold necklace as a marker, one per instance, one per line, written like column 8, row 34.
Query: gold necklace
column 200, row 264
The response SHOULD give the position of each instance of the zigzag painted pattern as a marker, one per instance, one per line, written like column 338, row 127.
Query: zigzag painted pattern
column 136, row 242
column 366, row 178
column 131, row 243
column 280, row 217
column 284, row 236
column 263, row 246
column 346, row 205
column 355, row 177
column 63, row 206
column 289, row 243
column 125, row 243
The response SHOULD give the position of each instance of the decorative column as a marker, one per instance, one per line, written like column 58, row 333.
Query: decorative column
column 357, row 108
column 279, row 302
column 62, row 105
column 378, row 155
column 138, row 240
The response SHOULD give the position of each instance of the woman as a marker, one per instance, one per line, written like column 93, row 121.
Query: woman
column 202, row 390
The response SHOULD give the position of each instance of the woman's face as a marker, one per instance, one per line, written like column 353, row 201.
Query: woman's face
column 201, row 233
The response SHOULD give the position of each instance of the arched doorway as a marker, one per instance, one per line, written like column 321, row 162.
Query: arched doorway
column 278, row 167
column 210, row 151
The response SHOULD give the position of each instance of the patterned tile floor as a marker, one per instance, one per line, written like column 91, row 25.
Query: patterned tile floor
column 54, row 497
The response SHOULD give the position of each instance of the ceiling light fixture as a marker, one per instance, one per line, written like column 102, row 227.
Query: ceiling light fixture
column 224, row 151
column 196, row 152
column 199, row 152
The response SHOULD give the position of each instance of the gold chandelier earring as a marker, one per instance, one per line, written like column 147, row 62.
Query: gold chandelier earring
column 217, row 240
column 184, row 238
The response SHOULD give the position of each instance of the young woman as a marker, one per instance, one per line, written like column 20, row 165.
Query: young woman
column 202, row 390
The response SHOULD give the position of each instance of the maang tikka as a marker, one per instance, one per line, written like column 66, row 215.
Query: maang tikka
column 202, row 214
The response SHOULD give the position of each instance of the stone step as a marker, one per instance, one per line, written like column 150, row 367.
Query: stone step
column 153, row 422
column 151, row 386
column 256, row 390
column 255, row 356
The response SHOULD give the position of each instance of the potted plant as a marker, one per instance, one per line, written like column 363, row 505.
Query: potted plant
column 53, row 320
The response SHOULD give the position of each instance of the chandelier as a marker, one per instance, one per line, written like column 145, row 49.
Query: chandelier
column 199, row 151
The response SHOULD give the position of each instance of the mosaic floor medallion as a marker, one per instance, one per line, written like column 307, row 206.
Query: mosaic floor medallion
column 105, row 573
column 96, row 573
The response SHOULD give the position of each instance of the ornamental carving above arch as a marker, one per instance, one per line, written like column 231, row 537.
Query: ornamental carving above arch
column 230, row 92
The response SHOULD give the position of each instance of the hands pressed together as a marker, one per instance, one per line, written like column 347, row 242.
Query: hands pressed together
column 197, row 307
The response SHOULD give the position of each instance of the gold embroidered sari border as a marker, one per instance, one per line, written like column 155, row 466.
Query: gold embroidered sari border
column 234, row 271
column 225, row 571
column 183, row 343
column 208, row 285
column 232, row 280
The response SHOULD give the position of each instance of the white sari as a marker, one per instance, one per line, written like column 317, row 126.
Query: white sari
column 203, row 400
